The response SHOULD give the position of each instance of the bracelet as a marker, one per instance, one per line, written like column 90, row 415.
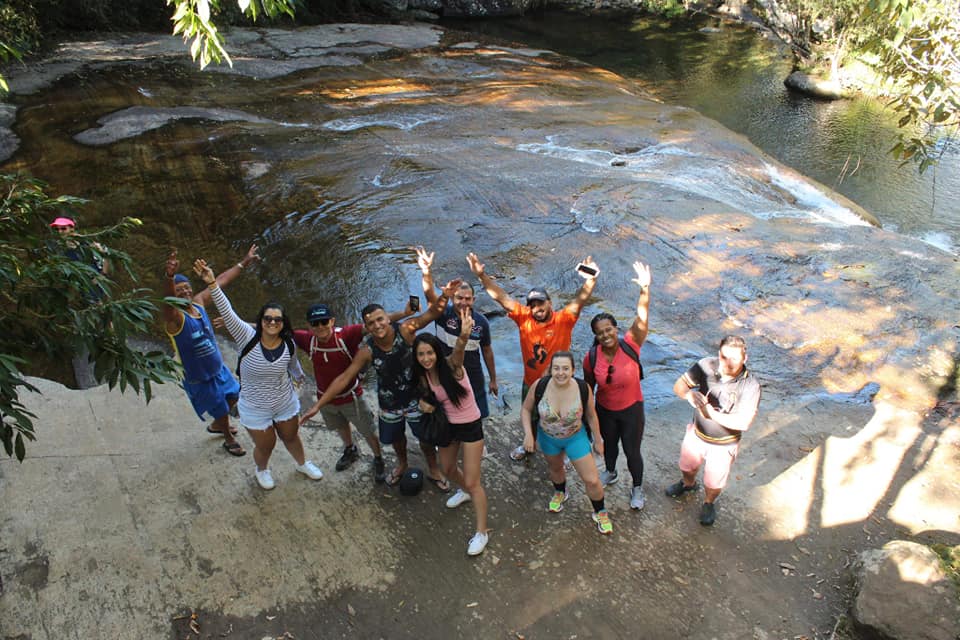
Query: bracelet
column 240, row 266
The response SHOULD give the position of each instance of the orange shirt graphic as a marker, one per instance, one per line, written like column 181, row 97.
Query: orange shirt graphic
column 540, row 340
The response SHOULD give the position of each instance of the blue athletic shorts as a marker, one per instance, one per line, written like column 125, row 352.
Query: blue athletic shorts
column 391, row 422
column 213, row 396
column 576, row 446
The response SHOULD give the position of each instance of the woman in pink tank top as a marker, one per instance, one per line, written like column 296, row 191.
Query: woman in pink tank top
column 448, row 381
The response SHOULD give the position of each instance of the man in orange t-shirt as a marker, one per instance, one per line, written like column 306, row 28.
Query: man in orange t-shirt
column 543, row 331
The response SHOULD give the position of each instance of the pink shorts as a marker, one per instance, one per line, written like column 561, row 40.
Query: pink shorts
column 694, row 452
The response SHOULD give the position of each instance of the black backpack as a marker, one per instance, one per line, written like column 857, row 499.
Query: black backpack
column 627, row 349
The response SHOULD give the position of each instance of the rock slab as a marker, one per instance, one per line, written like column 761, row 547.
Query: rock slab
column 903, row 592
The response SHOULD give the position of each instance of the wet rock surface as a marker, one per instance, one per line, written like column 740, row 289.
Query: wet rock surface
column 129, row 518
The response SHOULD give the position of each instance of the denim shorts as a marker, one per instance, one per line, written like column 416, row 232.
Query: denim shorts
column 261, row 419
column 575, row 446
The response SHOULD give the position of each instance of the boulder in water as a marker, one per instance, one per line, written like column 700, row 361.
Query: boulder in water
column 814, row 86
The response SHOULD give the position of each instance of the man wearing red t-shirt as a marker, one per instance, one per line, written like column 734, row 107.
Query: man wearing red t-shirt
column 331, row 350
column 543, row 331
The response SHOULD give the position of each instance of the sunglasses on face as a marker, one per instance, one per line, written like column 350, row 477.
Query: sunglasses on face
column 272, row 319
column 610, row 373
column 320, row 323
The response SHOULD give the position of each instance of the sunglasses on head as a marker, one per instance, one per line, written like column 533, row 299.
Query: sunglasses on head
column 273, row 319
column 318, row 323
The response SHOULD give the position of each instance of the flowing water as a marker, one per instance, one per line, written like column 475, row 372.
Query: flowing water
column 735, row 76
column 530, row 160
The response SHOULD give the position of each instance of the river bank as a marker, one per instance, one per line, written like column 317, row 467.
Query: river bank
column 340, row 155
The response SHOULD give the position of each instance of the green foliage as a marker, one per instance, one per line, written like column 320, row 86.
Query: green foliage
column 193, row 19
column 666, row 8
column 56, row 305
column 916, row 44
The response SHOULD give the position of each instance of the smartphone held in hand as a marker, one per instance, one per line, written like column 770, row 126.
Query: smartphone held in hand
column 586, row 270
column 414, row 303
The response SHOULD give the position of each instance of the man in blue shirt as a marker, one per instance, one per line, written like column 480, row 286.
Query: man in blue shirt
column 448, row 330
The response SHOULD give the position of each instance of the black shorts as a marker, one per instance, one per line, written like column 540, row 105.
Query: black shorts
column 469, row 432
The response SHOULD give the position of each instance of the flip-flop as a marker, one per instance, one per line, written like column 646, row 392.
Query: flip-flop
column 234, row 448
column 393, row 479
column 442, row 484
column 217, row 432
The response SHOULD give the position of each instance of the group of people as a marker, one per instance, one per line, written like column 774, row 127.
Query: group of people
column 419, row 372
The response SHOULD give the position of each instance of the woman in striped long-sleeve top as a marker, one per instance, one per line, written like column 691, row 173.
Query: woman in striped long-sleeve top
column 269, row 406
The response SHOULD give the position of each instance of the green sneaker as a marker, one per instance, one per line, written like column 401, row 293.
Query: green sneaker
column 556, row 502
column 602, row 518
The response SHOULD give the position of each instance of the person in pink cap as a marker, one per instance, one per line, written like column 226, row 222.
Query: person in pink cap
column 65, row 227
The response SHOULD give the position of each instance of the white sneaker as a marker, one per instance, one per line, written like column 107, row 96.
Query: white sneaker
column 458, row 499
column 264, row 478
column 310, row 470
column 637, row 499
column 478, row 543
column 608, row 477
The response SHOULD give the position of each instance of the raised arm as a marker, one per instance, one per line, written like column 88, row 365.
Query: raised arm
column 425, row 262
column 490, row 285
column 172, row 317
column 410, row 327
column 241, row 331
column 456, row 357
column 638, row 330
column 586, row 289
column 229, row 275
column 397, row 316
column 340, row 384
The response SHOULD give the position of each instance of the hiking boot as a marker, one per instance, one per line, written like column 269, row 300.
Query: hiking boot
column 519, row 454
column 637, row 499
column 379, row 470
column 602, row 518
column 677, row 489
column 264, row 479
column 608, row 477
column 478, row 543
column 708, row 514
column 556, row 502
column 350, row 455
column 458, row 499
column 310, row 470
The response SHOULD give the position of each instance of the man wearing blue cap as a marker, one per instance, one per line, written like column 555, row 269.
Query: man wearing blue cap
column 211, row 387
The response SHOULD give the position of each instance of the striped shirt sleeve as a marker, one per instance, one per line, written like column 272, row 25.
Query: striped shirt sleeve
column 241, row 331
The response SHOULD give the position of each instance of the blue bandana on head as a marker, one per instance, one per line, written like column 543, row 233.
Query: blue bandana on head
column 180, row 278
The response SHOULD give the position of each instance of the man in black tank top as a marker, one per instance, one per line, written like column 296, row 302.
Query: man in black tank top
column 388, row 350
column 725, row 398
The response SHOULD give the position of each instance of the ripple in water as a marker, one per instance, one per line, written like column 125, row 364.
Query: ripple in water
column 406, row 123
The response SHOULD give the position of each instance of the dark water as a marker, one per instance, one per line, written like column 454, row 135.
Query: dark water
column 736, row 77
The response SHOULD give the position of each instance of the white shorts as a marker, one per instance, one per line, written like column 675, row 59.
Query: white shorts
column 261, row 419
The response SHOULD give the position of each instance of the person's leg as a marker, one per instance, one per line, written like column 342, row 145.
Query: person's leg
column 691, row 457
column 391, row 426
column 586, row 468
column 264, row 440
column 448, row 463
column 634, row 421
column 434, row 472
column 519, row 454
column 289, row 432
column 472, row 456
column 610, row 432
column 555, row 470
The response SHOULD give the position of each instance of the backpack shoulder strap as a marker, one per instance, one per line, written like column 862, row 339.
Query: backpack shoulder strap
column 539, row 390
column 592, row 358
column 584, row 392
column 628, row 349
column 247, row 348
